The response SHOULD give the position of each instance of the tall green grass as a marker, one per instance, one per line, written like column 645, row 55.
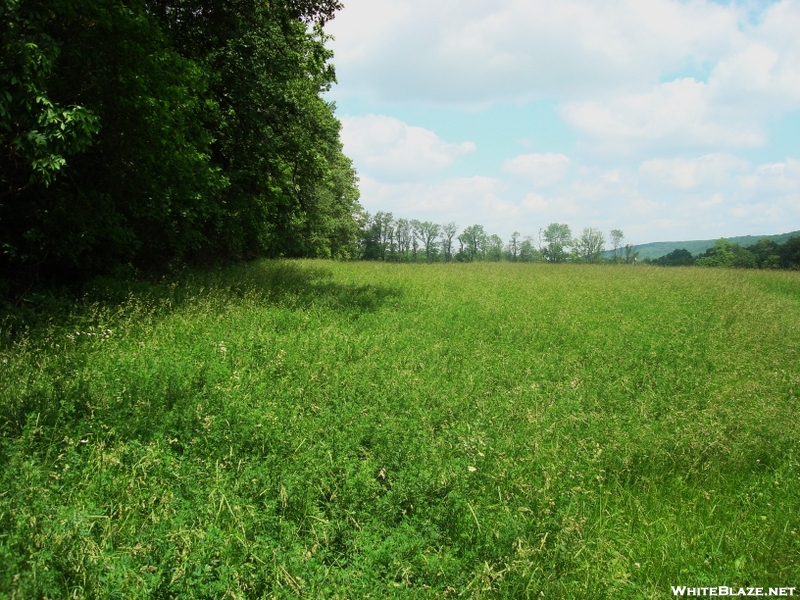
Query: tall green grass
column 354, row 430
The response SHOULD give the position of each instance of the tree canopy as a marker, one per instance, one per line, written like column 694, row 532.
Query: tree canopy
column 764, row 254
column 153, row 131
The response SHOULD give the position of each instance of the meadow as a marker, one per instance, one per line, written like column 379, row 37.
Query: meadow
column 317, row 429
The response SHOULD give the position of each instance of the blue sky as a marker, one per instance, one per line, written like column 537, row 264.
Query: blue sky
column 667, row 119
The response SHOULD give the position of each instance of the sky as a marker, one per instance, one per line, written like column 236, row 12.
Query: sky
column 668, row 119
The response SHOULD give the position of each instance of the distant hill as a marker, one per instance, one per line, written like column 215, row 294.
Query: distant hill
column 658, row 249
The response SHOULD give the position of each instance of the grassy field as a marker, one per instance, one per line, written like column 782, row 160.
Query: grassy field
column 364, row 430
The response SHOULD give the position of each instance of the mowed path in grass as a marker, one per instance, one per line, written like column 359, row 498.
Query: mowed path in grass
column 319, row 429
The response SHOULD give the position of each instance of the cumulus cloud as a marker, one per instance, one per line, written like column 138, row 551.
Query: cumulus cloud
column 688, row 174
column 754, row 77
column 388, row 147
column 661, row 97
column 478, row 50
column 631, row 75
column 541, row 169
column 681, row 114
column 536, row 203
column 781, row 178
column 660, row 200
column 450, row 199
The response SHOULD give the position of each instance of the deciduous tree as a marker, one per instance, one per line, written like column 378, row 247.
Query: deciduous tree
column 158, row 131
column 589, row 246
column 616, row 242
column 557, row 240
column 446, row 235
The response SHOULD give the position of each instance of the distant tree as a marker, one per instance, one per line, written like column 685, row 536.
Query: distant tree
column 631, row 254
column 557, row 240
column 473, row 241
column 589, row 246
column 528, row 251
column 676, row 258
column 427, row 233
column 404, row 233
column 494, row 247
column 767, row 253
column 416, row 234
column 446, row 234
column 385, row 224
column 616, row 241
column 790, row 253
column 370, row 238
column 512, row 249
column 726, row 254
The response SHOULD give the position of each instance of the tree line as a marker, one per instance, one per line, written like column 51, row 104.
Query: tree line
column 385, row 238
column 153, row 132
column 764, row 254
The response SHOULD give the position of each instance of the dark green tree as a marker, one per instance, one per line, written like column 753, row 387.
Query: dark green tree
column 677, row 258
column 766, row 253
column 472, row 240
column 726, row 254
column 790, row 253
column 149, row 131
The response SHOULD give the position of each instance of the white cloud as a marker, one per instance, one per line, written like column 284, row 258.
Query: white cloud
column 681, row 114
column 661, row 96
column 781, row 178
column 535, row 203
column 387, row 147
column 542, row 169
column 688, row 174
column 713, row 201
column 662, row 199
column 753, row 78
column 616, row 66
column 447, row 200
column 478, row 50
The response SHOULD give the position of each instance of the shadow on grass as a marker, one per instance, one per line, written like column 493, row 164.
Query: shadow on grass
column 290, row 284
column 277, row 282
column 48, row 385
column 302, row 285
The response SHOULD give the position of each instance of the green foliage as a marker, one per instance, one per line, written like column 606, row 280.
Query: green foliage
column 513, row 247
column 528, row 252
column 493, row 248
column 655, row 250
column 428, row 233
column 320, row 429
column 472, row 243
column 446, row 236
column 676, row 258
column 616, row 242
column 765, row 254
column 37, row 134
column 158, row 132
column 726, row 254
column 558, row 239
column 589, row 247
column 382, row 237
column 789, row 253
